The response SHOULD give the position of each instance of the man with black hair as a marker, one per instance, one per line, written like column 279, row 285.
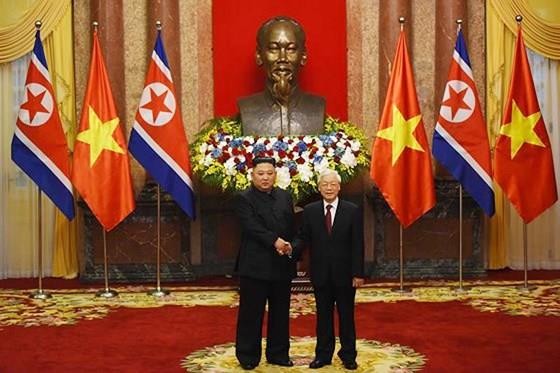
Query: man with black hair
column 266, row 217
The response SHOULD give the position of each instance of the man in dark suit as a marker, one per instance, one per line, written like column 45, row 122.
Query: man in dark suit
column 333, row 229
column 266, row 216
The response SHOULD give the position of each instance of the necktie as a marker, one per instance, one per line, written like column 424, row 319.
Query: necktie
column 328, row 219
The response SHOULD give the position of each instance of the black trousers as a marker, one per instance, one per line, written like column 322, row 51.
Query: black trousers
column 253, row 296
column 326, row 297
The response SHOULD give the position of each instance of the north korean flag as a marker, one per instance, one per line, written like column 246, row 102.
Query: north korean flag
column 460, row 136
column 39, row 145
column 158, row 140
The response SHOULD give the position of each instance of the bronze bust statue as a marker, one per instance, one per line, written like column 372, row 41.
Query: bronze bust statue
column 282, row 108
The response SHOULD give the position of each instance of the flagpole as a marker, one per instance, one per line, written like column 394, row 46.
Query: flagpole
column 460, row 289
column 401, row 288
column 525, row 287
column 158, row 291
column 40, row 293
column 107, row 292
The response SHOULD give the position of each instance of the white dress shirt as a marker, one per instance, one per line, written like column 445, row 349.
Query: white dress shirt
column 334, row 205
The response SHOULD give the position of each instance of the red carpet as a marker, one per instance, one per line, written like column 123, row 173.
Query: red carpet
column 452, row 336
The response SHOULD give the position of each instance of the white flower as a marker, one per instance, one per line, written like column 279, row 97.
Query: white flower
column 230, row 167
column 283, row 178
column 355, row 145
column 348, row 158
column 250, row 174
column 207, row 160
column 305, row 155
column 305, row 172
column 321, row 166
column 203, row 147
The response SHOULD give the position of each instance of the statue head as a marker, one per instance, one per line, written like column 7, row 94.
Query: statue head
column 281, row 52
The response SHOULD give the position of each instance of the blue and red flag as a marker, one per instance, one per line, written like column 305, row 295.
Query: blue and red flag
column 39, row 146
column 460, row 138
column 158, row 139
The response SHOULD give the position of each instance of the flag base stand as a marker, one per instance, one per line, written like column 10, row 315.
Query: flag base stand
column 158, row 292
column 40, row 294
column 526, row 288
column 403, row 291
column 461, row 289
column 107, row 293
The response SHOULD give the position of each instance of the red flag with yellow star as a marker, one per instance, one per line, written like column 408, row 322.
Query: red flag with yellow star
column 101, row 171
column 523, row 165
column 401, row 164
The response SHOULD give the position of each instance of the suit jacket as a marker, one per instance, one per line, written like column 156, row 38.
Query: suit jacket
column 263, row 218
column 339, row 255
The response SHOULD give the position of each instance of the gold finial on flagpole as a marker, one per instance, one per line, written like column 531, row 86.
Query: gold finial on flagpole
column 38, row 24
column 459, row 23
column 518, row 18
column 158, row 25
column 95, row 24
column 401, row 21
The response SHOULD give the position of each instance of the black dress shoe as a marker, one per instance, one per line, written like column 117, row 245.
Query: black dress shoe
column 350, row 365
column 248, row 366
column 282, row 363
column 318, row 363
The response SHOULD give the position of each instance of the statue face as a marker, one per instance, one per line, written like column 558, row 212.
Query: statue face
column 281, row 56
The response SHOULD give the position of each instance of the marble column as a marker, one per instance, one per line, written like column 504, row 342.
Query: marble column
column 447, row 13
column 389, row 26
column 167, row 12
column 109, row 14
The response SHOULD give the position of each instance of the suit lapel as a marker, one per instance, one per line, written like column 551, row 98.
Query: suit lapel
column 337, row 216
column 320, row 218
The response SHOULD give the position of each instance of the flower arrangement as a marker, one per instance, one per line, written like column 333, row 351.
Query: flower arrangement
column 223, row 157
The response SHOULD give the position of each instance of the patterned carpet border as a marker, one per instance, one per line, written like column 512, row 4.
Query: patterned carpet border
column 69, row 306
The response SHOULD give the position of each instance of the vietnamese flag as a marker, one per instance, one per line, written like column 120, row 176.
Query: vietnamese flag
column 401, row 164
column 523, row 165
column 101, row 171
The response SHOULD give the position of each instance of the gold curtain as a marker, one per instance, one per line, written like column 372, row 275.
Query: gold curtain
column 16, row 39
column 540, row 34
column 544, row 38
column 17, row 31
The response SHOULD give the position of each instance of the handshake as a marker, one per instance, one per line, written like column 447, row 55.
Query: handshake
column 283, row 247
